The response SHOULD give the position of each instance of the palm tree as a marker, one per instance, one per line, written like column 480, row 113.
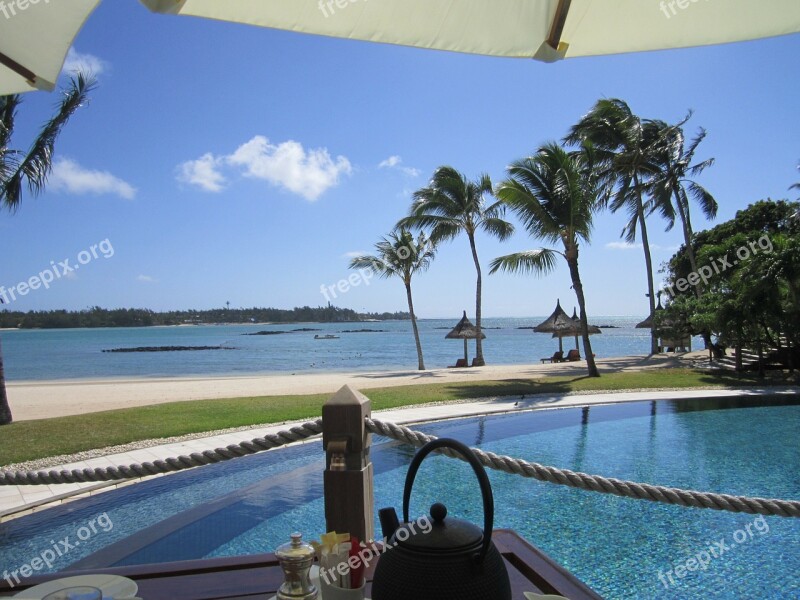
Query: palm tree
column 625, row 146
column 555, row 194
column 675, row 183
column 451, row 204
column 19, row 168
column 400, row 255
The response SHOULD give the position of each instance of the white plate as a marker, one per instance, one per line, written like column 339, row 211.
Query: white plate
column 113, row 586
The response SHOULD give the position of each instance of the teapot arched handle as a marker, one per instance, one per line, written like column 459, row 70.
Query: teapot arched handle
column 480, row 473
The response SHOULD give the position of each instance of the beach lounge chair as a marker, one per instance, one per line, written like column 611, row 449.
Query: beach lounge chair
column 477, row 363
column 557, row 357
column 461, row 362
column 573, row 356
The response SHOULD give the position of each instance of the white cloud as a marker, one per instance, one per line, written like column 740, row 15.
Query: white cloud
column 146, row 279
column 394, row 162
column 623, row 246
column 629, row 246
column 68, row 176
column 307, row 173
column 203, row 172
column 86, row 63
column 354, row 254
column 288, row 165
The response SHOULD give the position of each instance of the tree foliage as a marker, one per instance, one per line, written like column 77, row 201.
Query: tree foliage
column 143, row 317
column 750, row 271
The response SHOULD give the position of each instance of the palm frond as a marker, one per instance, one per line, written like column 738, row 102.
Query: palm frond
column 537, row 262
column 37, row 163
column 498, row 228
column 704, row 199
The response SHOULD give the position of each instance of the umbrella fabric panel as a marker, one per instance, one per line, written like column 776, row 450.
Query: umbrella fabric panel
column 512, row 28
column 501, row 27
column 37, row 38
column 596, row 27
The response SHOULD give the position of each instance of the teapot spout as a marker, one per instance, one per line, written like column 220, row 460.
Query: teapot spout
column 389, row 522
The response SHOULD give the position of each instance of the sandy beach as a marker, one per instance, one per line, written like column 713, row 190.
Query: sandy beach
column 46, row 399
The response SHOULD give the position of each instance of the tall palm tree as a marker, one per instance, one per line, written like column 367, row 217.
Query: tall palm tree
column 20, row 168
column 400, row 255
column 452, row 204
column 675, row 182
column 555, row 194
column 625, row 146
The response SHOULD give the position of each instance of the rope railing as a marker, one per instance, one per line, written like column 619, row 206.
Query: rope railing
column 168, row 465
column 596, row 483
column 515, row 466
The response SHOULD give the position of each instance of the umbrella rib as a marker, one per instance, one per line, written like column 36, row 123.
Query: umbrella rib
column 557, row 28
column 29, row 75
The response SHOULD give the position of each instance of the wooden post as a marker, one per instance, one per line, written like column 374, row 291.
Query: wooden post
column 349, row 504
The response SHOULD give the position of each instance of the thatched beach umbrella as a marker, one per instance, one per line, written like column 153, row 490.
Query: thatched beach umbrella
column 648, row 322
column 670, row 334
column 573, row 329
column 556, row 322
column 465, row 330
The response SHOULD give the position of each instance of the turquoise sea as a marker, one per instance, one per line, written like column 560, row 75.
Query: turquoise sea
column 78, row 353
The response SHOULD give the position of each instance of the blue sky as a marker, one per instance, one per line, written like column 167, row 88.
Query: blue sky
column 231, row 163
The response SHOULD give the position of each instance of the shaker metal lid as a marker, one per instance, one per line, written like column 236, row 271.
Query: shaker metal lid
column 441, row 534
column 296, row 550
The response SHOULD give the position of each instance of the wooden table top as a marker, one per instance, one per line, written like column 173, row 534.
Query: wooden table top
column 258, row 577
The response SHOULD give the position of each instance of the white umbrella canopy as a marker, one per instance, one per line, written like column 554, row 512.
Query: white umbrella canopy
column 35, row 36
column 547, row 30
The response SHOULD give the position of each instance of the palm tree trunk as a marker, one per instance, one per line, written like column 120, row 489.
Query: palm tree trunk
column 478, row 342
column 414, row 326
column 572, row 261
column 648, row 262
column 687, row 238
column 5, row 409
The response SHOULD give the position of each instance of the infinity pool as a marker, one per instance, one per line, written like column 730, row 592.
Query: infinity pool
column 621, row 548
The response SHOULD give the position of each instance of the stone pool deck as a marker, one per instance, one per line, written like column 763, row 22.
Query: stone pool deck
column 21, row 500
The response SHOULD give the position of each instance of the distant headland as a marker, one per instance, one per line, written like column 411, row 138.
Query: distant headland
column 142, row 317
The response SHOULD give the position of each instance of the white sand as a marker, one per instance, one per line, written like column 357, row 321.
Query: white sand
column 44, row 399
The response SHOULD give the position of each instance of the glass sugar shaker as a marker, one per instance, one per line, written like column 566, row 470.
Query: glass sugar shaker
column 296, row 558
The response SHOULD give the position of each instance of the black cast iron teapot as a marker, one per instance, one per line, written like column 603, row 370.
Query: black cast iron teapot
column 451, row 559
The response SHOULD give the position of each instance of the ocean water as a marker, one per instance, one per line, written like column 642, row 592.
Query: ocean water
column 47, row 354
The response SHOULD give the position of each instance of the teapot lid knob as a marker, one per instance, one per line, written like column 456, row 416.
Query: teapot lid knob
column 438, row 512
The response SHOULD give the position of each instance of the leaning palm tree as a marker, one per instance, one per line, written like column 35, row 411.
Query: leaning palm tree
column 675, row 182
column 452, row 204
column 20, row 169
column 555, row 194
column 400, row 255
column 625, row 146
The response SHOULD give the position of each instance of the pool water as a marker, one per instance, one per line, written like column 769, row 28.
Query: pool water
column 621, row 548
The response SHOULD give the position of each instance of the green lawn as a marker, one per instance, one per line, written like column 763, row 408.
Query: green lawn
column 28, row 440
